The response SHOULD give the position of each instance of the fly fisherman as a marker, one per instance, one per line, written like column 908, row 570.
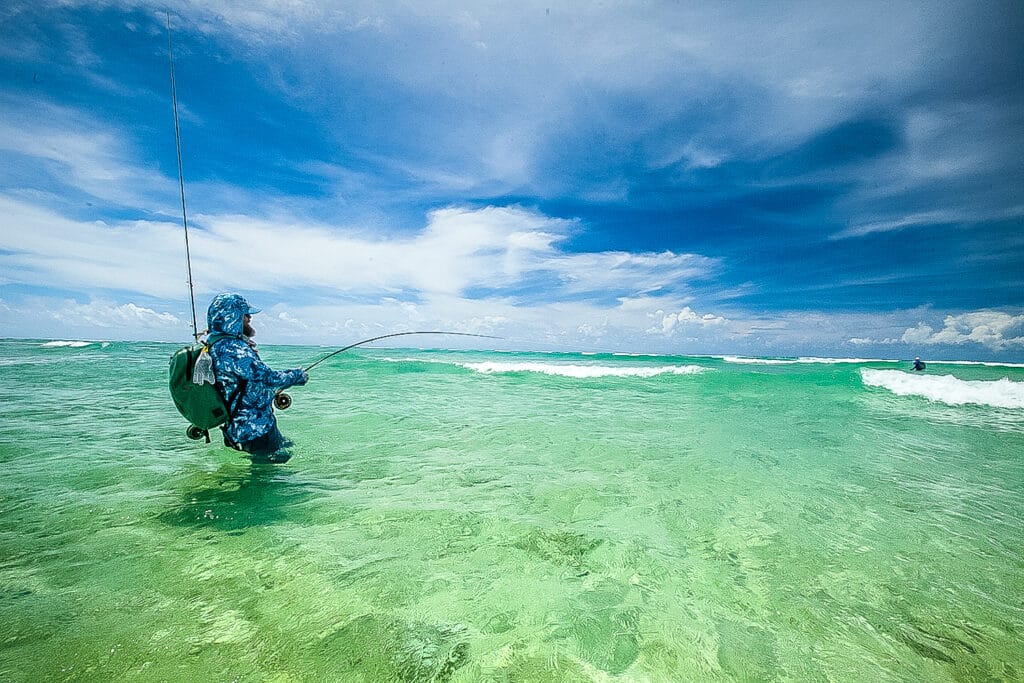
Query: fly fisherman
column 247, row 384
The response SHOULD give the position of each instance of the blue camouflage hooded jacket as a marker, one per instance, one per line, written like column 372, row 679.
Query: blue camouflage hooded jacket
column 235, row 362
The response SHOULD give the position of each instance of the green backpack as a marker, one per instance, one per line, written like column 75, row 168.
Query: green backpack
column 200, row 404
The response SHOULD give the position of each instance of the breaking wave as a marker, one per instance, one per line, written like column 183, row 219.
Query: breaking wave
column 582, row 371
column 987, row 364
column 70, row 344
column 801, row 360
column 756, row 361
column 1002, row 393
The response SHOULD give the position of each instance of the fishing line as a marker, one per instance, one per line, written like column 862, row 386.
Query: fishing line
column 395, row 334
column 283, row 401
column 181, row 182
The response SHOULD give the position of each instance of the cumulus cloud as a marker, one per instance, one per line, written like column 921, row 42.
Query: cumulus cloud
column 993, row 329
column 109, row 315
column 106, row 315
column 687, row 316
column 867, row 341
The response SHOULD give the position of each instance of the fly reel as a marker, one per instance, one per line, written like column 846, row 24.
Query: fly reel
column 195, row 433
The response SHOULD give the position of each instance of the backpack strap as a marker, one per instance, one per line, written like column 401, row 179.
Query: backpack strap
column 236, row 397
column 232, row 404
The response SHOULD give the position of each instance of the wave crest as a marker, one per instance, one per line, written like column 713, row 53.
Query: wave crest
column 61, row 344
column 1002, row 393
column 802, row 360
column 582, row 371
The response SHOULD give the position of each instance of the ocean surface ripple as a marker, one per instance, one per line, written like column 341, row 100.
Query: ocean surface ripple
column 478, row 516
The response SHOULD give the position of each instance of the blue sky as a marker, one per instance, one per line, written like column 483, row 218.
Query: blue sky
column 816, row 178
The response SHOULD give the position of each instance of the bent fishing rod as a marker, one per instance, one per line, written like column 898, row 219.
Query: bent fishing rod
column 396, row 334
column 283, row 401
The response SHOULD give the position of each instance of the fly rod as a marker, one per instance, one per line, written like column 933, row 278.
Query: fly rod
column 395, row 334
column 181, row 182
column 283, row 401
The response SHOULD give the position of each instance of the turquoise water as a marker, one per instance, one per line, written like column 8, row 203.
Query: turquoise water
column 471, row 516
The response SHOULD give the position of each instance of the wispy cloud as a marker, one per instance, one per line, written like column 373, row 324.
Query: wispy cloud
column 74, row 151
column 938, row 217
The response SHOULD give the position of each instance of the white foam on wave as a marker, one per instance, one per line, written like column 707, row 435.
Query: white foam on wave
column 1002, row 393
column 582, row 371
column 70, row 344
column 756, row 361
column 801, row 360
column 988, row 364
column 811, row 359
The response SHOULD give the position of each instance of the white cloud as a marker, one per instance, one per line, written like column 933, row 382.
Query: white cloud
column 993, row 329
column 45, row 248
column 496, row 248
column 687, row 316
column 99, row 318
column 866, row 341
column 918, row 335
column 457, row 249
column 106, row 314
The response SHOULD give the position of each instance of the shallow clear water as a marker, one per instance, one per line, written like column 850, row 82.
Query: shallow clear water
column 470, row 516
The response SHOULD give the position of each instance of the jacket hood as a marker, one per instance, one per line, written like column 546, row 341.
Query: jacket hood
column 224, row 319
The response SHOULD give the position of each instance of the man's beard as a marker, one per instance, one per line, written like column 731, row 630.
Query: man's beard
column 248, row 330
